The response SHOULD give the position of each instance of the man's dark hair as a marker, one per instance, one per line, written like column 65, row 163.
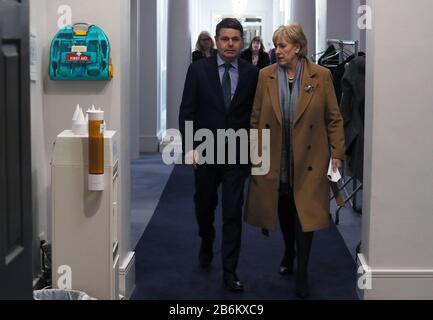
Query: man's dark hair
column 230, row 23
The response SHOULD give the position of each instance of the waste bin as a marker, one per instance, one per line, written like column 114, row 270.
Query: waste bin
column 57, row 294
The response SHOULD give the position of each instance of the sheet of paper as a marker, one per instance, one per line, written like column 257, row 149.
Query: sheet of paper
column 333, row 176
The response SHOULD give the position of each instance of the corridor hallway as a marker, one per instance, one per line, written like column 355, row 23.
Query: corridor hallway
column 167, row 254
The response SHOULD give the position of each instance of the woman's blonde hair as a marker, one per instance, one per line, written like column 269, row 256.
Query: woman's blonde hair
column 203, row 34
column 292, row 33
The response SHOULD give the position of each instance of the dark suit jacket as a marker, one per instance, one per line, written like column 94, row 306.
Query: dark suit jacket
column 264, row 59
column 198, row 55
column 352, row 109
column 203, row 101
column 273, row 56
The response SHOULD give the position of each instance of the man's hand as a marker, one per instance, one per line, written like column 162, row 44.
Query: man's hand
column 191, row 158
column 336, row 164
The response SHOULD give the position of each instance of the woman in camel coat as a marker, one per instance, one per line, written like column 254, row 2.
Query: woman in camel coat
column 295, row 100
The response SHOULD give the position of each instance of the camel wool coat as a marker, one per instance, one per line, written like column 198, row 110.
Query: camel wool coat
column 318, row 134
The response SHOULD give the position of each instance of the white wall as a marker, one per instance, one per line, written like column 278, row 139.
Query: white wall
column 398, row 185
column 40, row 173
column 261, row 8
column 321, row 26
column 123, row 113
column 356, row 32
column 195, row 24
column 53, row 102
column 277, row 16
column 149, row 67
column 339, row 20
column 304, row 13
column 177, row 64
column 135, row 81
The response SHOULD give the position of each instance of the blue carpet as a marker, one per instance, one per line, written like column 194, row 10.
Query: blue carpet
column 167, row 257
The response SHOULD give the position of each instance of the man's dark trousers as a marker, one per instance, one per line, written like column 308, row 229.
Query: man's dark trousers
column 232, row 179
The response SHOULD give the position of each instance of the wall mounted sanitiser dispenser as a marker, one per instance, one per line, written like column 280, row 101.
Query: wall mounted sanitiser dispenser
column 80, row 52
column 96, row 150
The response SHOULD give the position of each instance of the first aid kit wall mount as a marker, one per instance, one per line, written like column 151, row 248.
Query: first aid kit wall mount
column 80, row 52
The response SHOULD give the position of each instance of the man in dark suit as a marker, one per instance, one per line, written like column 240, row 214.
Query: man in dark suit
column 219, row 93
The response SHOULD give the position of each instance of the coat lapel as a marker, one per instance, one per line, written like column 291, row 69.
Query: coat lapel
column 305, row 97
column 274, row 94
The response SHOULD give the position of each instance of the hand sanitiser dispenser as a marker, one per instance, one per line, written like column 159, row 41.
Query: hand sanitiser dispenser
column 84, row 225
column 96, row 150
column 80, row 52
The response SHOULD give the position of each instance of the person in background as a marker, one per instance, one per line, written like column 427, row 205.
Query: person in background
column 255, row 54
column 295, row 100
column 204, row 48
column 272, row 56
column 219, row 94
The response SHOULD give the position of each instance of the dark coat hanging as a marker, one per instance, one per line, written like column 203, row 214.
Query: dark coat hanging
column 352, row 109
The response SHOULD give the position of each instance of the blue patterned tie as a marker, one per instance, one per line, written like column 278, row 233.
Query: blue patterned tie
column 227, row 85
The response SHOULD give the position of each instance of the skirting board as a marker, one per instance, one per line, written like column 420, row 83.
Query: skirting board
column 149, row 144
column 127, row 276
column 393, row 284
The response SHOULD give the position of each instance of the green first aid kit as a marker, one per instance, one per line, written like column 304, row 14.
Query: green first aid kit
column 80, row 52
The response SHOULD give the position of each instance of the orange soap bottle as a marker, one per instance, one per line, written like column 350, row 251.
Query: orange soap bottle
column 96, row 150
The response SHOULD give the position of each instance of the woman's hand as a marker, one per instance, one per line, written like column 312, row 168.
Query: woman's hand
column 336, row 164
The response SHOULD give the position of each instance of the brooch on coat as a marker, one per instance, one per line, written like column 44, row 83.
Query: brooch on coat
column 309, row 88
